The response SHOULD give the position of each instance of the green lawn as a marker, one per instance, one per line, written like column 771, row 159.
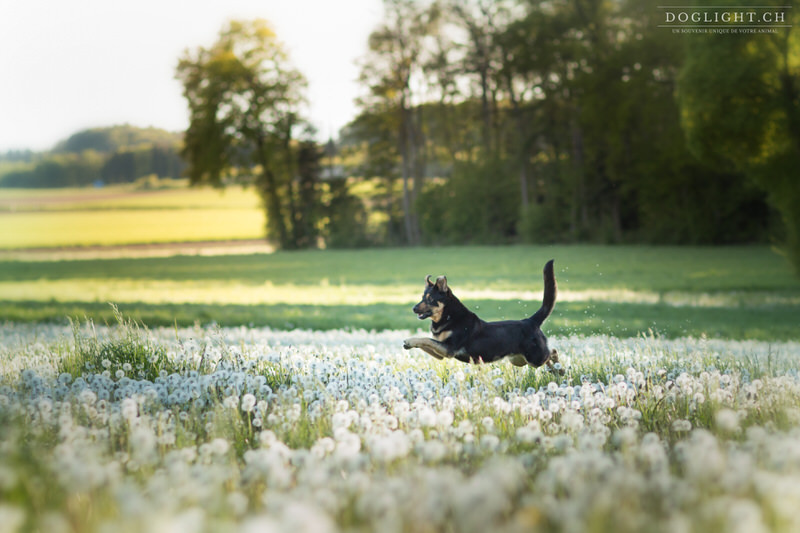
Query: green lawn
column 732, row 292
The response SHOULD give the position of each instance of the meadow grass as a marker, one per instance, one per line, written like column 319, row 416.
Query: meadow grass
column 574, row 318
column 131, row 351
column 578, row 267
column 732, row 292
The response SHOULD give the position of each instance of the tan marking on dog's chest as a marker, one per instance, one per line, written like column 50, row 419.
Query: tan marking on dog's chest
column 436, row 312
column 443, row 335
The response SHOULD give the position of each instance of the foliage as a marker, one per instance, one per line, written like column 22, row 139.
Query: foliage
column 57, row 171
column 471, row 207
column 118, row 154
column 395, row 59
column 117, row 139
column 244, row 101
column 346, row 218
column 128, row 165
column 573, row 105
column 514, row 120
column 751, row 124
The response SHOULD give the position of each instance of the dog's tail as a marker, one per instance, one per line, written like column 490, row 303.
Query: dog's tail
column 549, row 299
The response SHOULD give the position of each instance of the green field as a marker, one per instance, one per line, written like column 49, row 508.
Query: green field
column 123, row 214
column 733, row 292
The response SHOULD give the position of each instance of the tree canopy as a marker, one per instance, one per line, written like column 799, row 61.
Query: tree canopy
column 740, row 109
column 245, row 101
column 576, row 120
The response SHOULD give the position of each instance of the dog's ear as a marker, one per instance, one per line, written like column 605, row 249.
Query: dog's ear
column 428, row 280
column 441, row 283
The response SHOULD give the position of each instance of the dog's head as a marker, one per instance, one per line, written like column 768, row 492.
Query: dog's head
column 433, row 299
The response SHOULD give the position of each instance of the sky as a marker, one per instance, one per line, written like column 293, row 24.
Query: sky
column 67, row 65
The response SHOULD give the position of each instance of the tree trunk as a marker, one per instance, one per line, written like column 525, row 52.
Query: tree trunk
column 272, row 202
column 308, row 172
column 419, row 166
column 291, row 193
column 486, row 113
column 270, row 196
column 408, row 164
column 293, row 215
column 580, row 208
column 522, row 136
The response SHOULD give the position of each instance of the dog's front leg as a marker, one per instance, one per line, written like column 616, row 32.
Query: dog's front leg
column 432, row 347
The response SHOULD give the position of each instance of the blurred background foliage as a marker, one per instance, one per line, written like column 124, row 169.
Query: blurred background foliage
column 488, row 122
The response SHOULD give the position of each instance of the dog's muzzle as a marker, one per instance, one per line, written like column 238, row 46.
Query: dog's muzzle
column 422, row 311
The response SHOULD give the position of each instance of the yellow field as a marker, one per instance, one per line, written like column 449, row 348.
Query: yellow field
column 122, row 215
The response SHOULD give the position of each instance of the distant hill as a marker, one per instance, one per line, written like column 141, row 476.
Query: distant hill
column 117, row 138
column 116, row 154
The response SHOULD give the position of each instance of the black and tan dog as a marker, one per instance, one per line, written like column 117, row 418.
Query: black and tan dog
column 461, row 334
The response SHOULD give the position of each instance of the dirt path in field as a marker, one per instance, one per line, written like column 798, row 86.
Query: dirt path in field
column 167, row 249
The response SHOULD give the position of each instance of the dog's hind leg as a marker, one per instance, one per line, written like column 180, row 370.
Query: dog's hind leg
column 518, row 359
column 432, row 347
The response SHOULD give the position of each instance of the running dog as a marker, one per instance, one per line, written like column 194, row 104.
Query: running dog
column 461, row 334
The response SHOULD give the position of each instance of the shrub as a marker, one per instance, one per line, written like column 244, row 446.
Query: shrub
column 479, row 204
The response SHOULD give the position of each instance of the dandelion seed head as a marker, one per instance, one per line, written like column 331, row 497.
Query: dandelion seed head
column 727, row 420
column 248, row 402
column 681, row 425
column 219, row 446
column 231, row 402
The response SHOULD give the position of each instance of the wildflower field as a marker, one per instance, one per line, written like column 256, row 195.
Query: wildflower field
column 676, row 407
column 121, row 428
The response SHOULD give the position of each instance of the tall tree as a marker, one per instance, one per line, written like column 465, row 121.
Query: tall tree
column 393, row 64
column 483, row 21
column 740, row 109
column 244, row 101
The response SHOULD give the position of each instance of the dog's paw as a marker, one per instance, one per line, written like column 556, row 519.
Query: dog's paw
column 554, row 365
column 407, row 344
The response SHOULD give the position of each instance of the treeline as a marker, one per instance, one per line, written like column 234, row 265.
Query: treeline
column 118, row 154
column 521, row 120
column 491, row 121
